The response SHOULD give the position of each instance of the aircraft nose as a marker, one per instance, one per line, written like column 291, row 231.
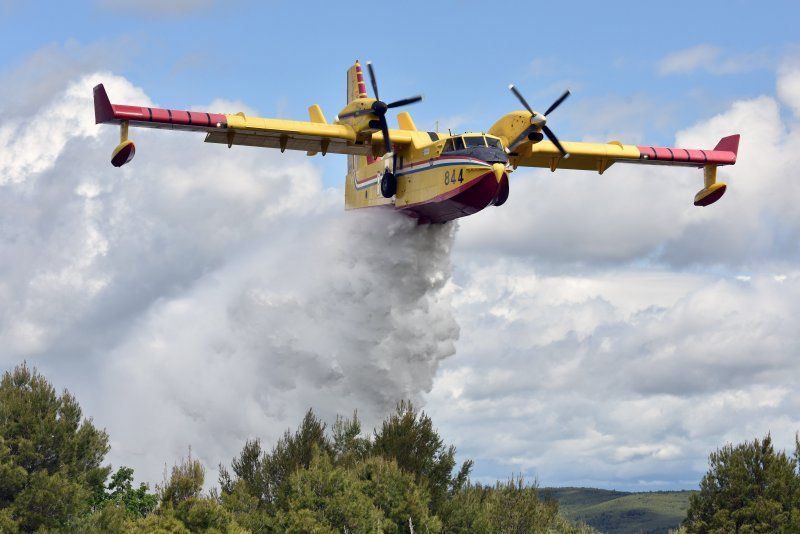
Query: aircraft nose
column 498, row 169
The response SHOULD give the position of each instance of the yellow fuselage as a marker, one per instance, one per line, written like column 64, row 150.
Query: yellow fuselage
column 437, row 180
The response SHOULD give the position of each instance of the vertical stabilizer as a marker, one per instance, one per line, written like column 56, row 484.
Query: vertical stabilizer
column 730, row 144
column 355, row 83
column 355, row 90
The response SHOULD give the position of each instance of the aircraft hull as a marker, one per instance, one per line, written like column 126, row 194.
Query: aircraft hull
column 468, row 199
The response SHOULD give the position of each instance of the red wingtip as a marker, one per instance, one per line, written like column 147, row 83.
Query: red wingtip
column 103, row 112
column 729, row 144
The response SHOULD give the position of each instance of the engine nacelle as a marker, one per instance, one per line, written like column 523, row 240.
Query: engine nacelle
column 512, row 129
column 359, row 116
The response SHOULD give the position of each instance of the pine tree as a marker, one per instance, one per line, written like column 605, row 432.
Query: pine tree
column 50, row 456
column 748, row 488
column 409, row 438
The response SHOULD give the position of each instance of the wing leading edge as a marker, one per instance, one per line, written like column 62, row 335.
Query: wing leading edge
column 599, row 156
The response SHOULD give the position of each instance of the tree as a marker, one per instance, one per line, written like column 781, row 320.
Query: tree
column 748, row 488
column 136, row 501
column 185, row 482
column 50, row 456
column 510, row 506
column 246, row 509
column 514, row 506
column 325, row 498
column 408, row 437
column 265, row 476
column 395, row 493
column 349, row 446
column 183, row 503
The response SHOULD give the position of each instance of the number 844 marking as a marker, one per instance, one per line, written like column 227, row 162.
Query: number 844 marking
column 452, row 178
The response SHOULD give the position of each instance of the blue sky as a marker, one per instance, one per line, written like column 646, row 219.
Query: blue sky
column 280, row 56
column 593, row 331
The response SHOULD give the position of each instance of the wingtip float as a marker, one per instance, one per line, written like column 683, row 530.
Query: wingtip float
column 431, row 176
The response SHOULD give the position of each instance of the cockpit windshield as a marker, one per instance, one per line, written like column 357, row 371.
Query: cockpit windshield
column 461, row 142
column 453, row 144
column 475, row 140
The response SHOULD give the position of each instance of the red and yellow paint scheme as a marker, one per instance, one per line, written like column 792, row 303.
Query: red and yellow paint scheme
column 431, row 176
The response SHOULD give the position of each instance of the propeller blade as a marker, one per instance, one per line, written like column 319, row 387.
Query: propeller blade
column 550, row 135
column 373, row 80
column 405, row 101
column 557, row 103
column 521, row 98
column 387, row 144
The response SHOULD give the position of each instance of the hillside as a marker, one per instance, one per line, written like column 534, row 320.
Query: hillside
column 619, row 512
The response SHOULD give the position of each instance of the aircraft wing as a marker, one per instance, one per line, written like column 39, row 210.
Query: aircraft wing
column 311, row 136
column 600, row 156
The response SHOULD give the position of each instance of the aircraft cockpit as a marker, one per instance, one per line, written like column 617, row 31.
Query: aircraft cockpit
column 461, row 142
column 483, row 147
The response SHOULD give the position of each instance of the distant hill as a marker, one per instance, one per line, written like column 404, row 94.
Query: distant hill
column 620, row 512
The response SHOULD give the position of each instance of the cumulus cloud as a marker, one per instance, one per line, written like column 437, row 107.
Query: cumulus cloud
column 635, row 212
column 611, row 334
column 632, row 333
column 789, row 85
column 202, row 295
column 624, row 379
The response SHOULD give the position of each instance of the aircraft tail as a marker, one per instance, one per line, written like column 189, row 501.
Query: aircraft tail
column 355, row 89
column 355, row 83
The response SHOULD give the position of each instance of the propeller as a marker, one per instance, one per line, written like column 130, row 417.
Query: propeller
column 379, row 108
column 539, row 120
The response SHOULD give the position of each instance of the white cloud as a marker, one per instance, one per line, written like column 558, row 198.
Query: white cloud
column 709, row 58
column 202, row 295
column 625, row 380
column 690, row 59
column 788, row 86
column 626, row 344
column 636, row 212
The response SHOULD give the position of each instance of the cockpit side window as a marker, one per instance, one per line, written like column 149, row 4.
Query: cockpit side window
column 475, row 140
column 493, row 142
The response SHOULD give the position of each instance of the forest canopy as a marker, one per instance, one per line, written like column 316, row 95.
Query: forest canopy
column 402, row 477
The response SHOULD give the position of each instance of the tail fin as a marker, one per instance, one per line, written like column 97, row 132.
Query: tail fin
column 355, row 90
column 103, row 112
column 729, row 144
column 355, row 83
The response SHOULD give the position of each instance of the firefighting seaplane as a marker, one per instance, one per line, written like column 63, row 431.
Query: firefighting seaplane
column 431, row 176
